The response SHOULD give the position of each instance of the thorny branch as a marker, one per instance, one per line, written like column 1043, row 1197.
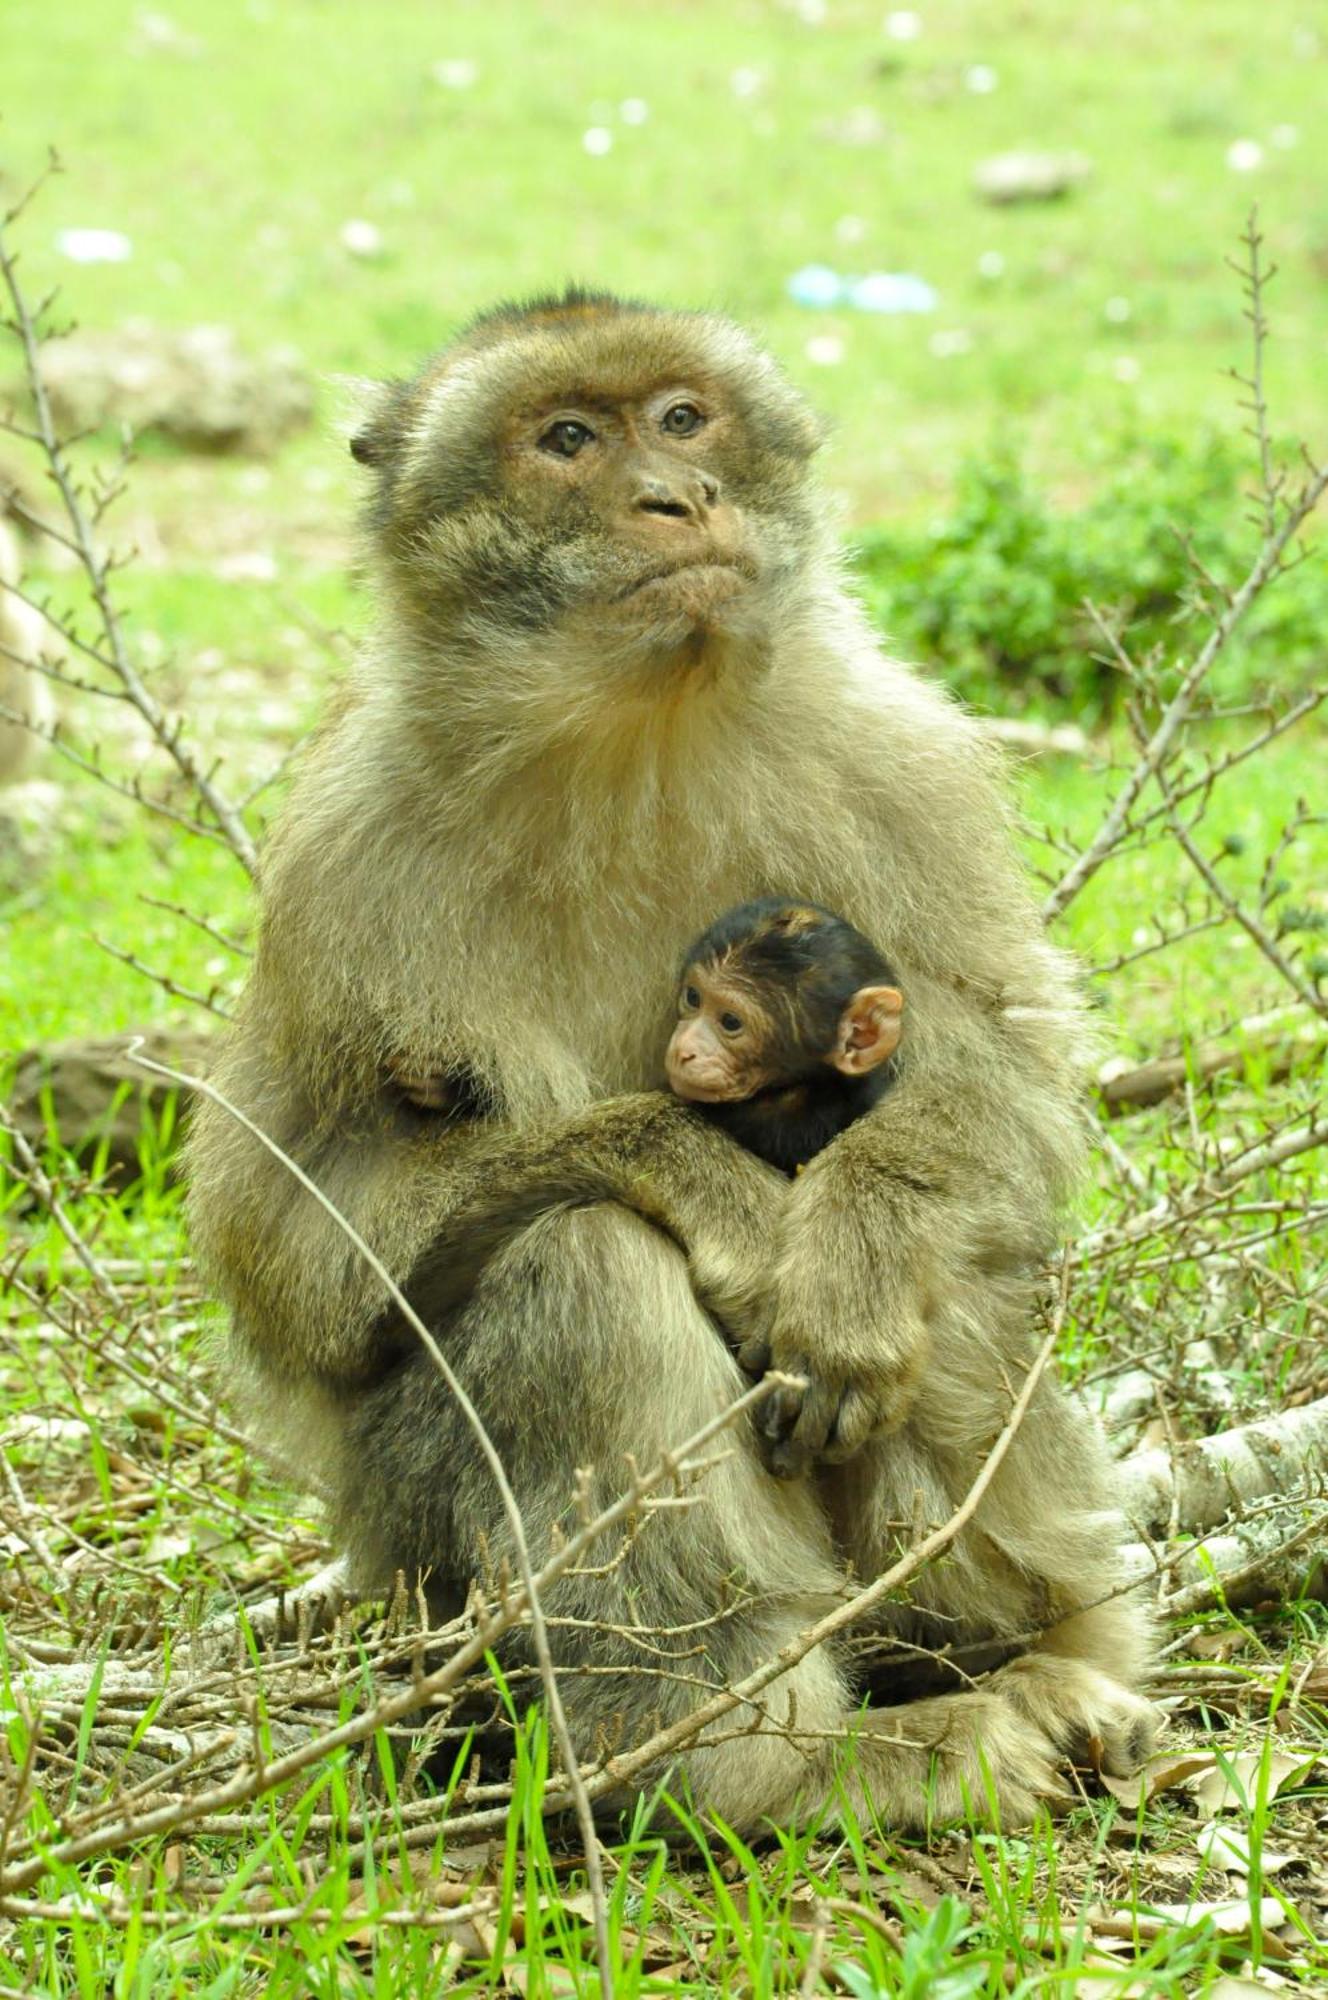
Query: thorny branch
column 79, row 537
column 1282, row 520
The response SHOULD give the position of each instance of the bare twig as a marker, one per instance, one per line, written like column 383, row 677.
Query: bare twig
column 167, row 730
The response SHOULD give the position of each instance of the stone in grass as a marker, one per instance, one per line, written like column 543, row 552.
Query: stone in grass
column 194, row 385
column 89, row 1092
column 1021, row 176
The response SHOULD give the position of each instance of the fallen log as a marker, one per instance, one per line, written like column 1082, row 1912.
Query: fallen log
column 1276, row 1041
column 1203, row 1480
column 89, row 1092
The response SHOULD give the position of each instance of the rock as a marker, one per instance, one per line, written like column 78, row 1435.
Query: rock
column 24, row 691
column 195, row 386
column 860, row 126
column 1010, row 177
column 96, row 1094
column 31, row 831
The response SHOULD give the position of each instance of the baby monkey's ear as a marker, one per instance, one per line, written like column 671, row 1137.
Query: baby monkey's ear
column 869, row 1030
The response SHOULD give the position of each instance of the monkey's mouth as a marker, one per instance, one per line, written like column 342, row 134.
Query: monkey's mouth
column 711, row 578
column 695, row 1090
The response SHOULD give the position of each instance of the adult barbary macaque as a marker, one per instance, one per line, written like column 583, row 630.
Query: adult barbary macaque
column 615, row 685
column 788, row 1021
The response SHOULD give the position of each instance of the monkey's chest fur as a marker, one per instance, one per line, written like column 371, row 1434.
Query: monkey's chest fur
column 569, row 995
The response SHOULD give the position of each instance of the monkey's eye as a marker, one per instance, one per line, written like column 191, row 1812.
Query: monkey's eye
column 691, row 998
column 681, row 420
column 566, row 438
column 730, row 1023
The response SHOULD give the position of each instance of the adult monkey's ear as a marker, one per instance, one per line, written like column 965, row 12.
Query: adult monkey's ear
column 869, row 1030
column 373, row 419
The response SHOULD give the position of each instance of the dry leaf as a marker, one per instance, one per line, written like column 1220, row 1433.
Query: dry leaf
column 553, row 1980
column 1166, row 1772
column 1228, row 1918
column 1229, row 1988
column 1312, row 1684
column 1229, row 1847
column 1219, row 1793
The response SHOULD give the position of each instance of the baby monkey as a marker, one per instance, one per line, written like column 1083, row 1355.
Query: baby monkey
column 788, row 1020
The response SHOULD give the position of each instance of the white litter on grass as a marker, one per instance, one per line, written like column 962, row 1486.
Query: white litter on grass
column 826, row 350
column 458, row 73
column 1117, row 310
column 1284, row 137
column 981, row 79
column 903, row 25
column 850, row 229
column 361, row 238
column 746, row 82
column 892, row 292
column 247, row 566
column 991, row 264
column 1244, row 156
column 634, row 111
column 815, row 285
column 950, row 341
column 597, row 140
column 94, row 246
column 818, row 286
column 1125, row 368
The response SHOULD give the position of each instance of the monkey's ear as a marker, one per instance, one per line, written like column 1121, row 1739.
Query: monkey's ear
column 869, row 1030
column 373, row 418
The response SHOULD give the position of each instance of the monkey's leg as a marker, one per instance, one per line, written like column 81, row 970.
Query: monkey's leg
column 1036, row 1571
column 584, row 1343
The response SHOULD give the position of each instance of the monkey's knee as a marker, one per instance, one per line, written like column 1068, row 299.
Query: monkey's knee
column 596, row 1304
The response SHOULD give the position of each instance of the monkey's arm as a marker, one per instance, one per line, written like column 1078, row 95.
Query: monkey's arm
column 436, row 1201
column 647, row 1152
column 923, row 1224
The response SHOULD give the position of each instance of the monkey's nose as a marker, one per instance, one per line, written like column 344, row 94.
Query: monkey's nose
column 685, row 499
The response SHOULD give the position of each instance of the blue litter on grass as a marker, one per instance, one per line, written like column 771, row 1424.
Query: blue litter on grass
column 818, row 286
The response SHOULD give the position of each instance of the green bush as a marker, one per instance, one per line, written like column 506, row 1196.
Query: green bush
column 992, row 596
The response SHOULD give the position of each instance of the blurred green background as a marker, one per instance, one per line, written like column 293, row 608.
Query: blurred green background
column 232, row 141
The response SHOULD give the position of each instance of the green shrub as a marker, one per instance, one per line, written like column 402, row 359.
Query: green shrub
column 993, row 594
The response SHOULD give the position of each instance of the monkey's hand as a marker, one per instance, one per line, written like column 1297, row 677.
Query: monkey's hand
column 726, row 1211
column 848, row 1310
column 644, row 1151
column 427, row 1092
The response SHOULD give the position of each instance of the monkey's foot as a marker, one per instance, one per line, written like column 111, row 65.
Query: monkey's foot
column 1089, row 1716
column 965, row 1756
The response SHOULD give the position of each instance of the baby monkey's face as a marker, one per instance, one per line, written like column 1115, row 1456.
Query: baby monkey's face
column 741, row 1030
column 721, row 1049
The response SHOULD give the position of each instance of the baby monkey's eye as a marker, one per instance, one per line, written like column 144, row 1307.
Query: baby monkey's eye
column 682, row 419
column 565, row 439
column 730, row 1023
column 691, row 998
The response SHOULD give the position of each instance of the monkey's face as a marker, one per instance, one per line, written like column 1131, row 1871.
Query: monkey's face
column 632, row 488
column 772, row 1007
column 721, row 1050
column 632, row 478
